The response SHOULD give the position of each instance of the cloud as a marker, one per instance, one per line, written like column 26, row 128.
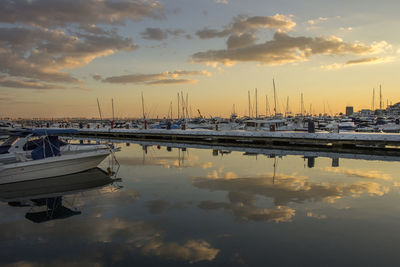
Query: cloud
column 157, row 78
column 191, row 251
column 368, row 60
column 129, row 240
column 317, row 216
column 27, row 84
column 371, row 174
column 244, row 24
column 287, row 49
column 284, row 189
column 364, row 60
column 172, row 81
column 158, row 34
column 245, row 212
column 221, row 1
column 53, row 13
column 97, row 77
column 332, row 66
column 157, row 206
column 53, row 36
column 168, row 162
column 7, row 99
column 154, row 34
column 81, row 87
column 240, row 40
column 43, row 54
column 316, row 21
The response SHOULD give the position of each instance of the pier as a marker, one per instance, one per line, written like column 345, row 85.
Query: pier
column 359, row 143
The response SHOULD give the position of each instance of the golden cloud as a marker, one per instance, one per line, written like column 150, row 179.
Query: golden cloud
column 286, row 49
column 157, row 78
column 243, row 24
column 361, row 61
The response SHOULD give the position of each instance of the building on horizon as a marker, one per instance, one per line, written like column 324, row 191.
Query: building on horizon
column 349, row 110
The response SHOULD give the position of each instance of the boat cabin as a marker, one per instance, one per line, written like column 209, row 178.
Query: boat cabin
column 268, row 125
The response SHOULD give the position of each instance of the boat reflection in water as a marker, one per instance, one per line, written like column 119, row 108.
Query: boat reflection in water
column 47, row 194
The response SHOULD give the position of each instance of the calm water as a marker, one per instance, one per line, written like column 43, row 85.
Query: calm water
column 196, row 208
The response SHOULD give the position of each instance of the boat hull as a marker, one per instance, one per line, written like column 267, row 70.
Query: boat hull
column 51, row 167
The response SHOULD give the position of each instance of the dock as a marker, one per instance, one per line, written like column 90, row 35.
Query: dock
column 369, row 143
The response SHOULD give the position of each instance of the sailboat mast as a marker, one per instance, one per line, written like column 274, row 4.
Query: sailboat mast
column 98, row 105
column 373, row 98
column 187, row 104
column 112, row 105
column 380, row 97
column 287, row 106
column 183, row 106
column 273, row 83
column 256, row 105
column 144, row 115
column 178, row 107
column 249, row 104
column 301, row 105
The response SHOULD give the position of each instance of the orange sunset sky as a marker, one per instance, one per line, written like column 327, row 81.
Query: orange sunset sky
column 57, row 56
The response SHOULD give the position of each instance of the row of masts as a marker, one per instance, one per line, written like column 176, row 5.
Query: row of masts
column 183, row 105
column 381, row 101
column 254, row 108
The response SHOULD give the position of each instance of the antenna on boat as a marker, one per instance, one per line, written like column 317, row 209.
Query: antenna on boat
column 98, row 105
column 273, row 83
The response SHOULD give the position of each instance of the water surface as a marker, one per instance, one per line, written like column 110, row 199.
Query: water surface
column 201, row 207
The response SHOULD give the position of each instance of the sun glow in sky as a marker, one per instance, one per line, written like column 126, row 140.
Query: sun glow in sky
column 57, row 56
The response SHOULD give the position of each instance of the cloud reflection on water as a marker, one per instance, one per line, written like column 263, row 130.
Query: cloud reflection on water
column 283, row 189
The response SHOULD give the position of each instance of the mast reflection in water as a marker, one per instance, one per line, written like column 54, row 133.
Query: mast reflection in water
column 198, row 205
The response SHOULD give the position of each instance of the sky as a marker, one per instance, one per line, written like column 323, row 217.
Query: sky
column 57, row 57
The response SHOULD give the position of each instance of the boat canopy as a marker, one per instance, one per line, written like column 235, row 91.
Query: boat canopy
column 42, row 132
column 47, row 147
column 53, row 132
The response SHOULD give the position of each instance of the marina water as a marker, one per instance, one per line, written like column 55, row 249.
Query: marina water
column 207, row 207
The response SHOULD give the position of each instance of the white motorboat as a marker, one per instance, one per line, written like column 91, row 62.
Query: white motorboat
column 48, row 158
column 33, row 141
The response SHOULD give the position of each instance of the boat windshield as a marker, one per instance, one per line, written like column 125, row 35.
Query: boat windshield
column 10, row 141
column 5, row 146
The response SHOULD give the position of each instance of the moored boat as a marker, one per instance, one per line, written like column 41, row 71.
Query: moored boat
column 47, row 159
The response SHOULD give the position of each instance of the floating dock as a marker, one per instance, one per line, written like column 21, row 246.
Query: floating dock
column 370, row 143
